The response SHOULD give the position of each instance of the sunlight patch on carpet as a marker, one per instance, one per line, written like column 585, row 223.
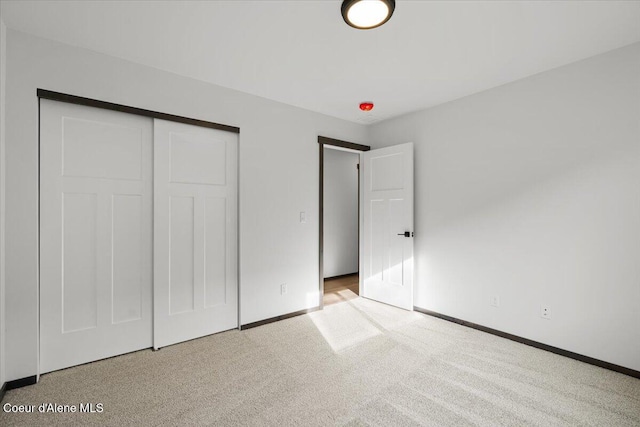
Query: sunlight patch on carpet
column 343, row 326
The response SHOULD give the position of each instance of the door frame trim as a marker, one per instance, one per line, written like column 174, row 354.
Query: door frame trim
column 322, row 141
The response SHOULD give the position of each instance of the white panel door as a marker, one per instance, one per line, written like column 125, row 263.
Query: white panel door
column 196, row 232
column 387, row 237
column 95, row 234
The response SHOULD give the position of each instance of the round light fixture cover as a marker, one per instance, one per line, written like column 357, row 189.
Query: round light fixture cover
column 367, row 14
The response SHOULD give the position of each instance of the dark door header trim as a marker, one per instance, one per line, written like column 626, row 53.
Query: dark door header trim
column 79, row 100
column 344, row 144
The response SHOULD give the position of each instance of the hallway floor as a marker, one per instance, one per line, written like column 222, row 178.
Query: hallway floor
column 343, row 288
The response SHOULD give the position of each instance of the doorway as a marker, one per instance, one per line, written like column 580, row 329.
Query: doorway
column 339, row 220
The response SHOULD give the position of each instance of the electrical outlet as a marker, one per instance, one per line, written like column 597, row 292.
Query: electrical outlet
column 495, row 301
column 303, row 217
column 283, row 289
column 545, row 311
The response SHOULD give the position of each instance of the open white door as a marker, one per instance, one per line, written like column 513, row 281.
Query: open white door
column 387, row 233
column 195, row 232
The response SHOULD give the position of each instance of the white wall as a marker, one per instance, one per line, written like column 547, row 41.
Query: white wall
column 278, row 176
column 340, row 251
column 531, row 191
column 3, row 75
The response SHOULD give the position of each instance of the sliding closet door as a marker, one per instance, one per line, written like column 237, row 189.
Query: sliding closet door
column 195, row 232
column 95, row 234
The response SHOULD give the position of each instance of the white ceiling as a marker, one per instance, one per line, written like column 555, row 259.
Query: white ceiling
column 302, row 53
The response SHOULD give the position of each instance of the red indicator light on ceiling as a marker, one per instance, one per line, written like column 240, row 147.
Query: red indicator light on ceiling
column 366, row 106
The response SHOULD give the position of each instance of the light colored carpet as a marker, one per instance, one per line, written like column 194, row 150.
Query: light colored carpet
column 355, row 363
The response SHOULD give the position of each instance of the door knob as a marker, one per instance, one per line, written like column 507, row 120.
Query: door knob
column 406, row 234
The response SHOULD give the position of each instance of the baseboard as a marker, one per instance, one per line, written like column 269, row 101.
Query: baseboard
column 278, row 318
column 22, row 382
column 341, row 276
column 536, row 344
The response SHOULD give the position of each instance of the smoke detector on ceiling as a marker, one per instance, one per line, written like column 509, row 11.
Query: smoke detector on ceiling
column 366, row 106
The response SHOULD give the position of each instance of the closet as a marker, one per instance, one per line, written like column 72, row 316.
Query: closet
column 138, row 232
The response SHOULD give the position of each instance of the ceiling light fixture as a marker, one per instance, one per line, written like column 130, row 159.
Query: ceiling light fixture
column 367, row 14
